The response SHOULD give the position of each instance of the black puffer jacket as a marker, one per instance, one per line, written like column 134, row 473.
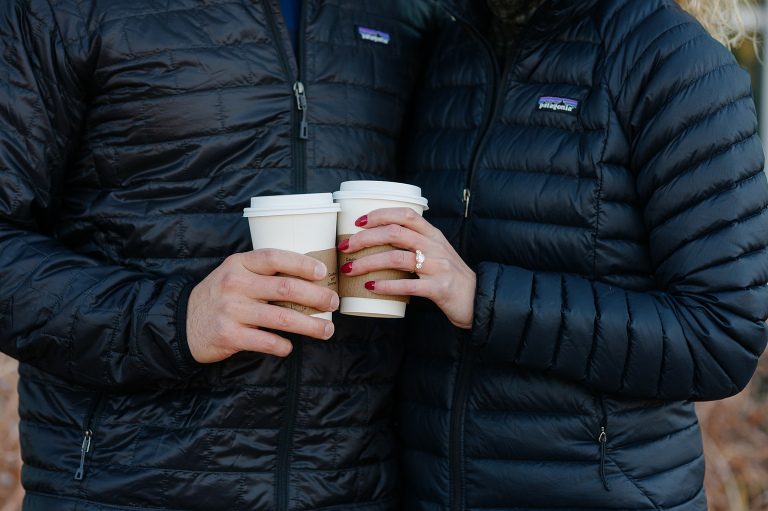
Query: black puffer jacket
column 620, row 249
column 132, row 134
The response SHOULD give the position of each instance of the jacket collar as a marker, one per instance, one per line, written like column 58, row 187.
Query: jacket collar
column 554, row 13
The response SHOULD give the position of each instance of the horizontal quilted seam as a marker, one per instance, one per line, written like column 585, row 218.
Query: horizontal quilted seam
column 709, row 232
column 652, row 47
column 119, row 105
column 227, row 473
column 685, row 206
column 636, row 445
column 754, row 287
column 704, row 117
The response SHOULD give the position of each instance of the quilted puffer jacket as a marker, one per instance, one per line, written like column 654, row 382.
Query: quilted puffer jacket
column 607, row 185
column 132, row 135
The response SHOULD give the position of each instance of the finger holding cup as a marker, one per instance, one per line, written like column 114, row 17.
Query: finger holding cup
column 302, row 223
column 357, row 199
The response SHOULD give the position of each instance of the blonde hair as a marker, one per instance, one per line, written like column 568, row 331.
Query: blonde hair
column 721, row 18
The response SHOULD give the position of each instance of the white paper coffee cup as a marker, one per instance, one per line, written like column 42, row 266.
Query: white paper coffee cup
column 303, row 223
column 358, row 198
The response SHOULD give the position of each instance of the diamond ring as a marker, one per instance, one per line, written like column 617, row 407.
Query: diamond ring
column 419, row 259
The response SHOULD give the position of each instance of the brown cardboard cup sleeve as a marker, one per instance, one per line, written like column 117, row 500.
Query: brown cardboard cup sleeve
column 328, row 258
column 354, row 287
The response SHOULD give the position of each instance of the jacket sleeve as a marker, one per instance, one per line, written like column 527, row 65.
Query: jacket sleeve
column 83, row 320
column 689, row 120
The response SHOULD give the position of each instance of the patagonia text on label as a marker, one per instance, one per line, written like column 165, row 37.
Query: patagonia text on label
column 565, row 105
column 375, row 36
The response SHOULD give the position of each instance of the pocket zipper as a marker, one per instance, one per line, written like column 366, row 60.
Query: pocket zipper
column 603, row 439
column 85, row 445
column 84, row 448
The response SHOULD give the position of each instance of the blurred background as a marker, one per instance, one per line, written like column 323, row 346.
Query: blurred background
column 734, row 430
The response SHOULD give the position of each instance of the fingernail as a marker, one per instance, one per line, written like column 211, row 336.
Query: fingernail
column 320, row 271
column 344, row 245
column 334, row 302
column 361, row 221
column 346, row 268
column 328, row 330
column 370, row 285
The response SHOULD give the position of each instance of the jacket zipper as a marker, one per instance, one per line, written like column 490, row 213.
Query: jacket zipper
column 490, row 115
column 286, row 430
column 602, row 439
column 298, row 147
column 465, row 365
column 492, row 110
column 302, row 128
column 299, row 117
column 91, row 421
column 457, row 423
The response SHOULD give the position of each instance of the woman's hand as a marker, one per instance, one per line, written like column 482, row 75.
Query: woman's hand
column 444, row 278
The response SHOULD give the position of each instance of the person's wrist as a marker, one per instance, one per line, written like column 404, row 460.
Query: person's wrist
column 187, row 360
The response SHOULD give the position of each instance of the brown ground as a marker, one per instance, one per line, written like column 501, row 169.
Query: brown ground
column 735, row 442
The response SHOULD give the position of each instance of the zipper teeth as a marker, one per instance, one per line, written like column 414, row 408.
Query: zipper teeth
column 286, row 432
column 300, row 182
column 297, row 146
column 465, row 365
column 497, row 96
column 457, row 420
column 489, row 118
column 294, row 359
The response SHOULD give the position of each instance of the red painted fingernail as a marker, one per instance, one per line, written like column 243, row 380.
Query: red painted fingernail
column 344, row 245
column 361, row 221
column 370, row 285
column 346, row 268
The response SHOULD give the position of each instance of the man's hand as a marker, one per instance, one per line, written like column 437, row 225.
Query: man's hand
column 227, row 310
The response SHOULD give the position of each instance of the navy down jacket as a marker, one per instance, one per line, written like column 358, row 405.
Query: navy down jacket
column 132, row 135
column 607, row 185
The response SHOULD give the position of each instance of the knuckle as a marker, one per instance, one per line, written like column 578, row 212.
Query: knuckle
column 442, row 264
column 282, row 318
column 225, row 331
column 410, row 286
column 232, row 260
column 410, row 214
column 267, row 343
column 229, row 281
column 394, row 231
column 268, row 257
column 397, row 257
column 285, row 287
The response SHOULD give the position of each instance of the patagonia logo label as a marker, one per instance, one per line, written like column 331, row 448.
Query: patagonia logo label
column 368, row 34
column 565, row 105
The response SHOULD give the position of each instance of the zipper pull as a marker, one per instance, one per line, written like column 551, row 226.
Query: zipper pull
column 84, row 448
column 301, row 104
column 465, row 200
column 603, row 439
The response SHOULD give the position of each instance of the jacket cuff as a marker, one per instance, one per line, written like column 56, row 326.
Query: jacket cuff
column 189, row 364
column 485, row 295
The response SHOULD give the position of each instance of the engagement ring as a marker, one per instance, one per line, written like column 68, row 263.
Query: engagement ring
column 419, row 259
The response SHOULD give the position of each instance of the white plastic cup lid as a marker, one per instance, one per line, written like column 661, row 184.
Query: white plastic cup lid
column 384, row 190
column 297, row 204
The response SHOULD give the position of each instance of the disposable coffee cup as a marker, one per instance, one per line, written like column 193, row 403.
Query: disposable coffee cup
column 358, row 198
column 304, row 223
